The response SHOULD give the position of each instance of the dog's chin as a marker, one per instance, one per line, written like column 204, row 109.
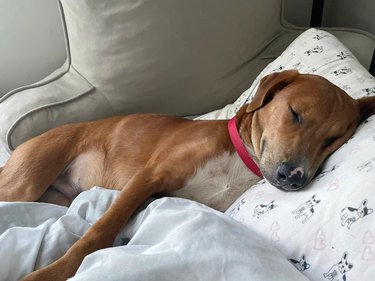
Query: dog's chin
column 288, row 188
column 283, row 187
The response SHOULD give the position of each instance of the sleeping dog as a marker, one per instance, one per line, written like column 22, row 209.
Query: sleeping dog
column 293, row 124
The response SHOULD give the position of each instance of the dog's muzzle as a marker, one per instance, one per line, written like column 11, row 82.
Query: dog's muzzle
column 290, row 177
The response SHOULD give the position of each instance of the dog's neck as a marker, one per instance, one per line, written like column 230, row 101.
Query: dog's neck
column 244, row 125
column 240, row 147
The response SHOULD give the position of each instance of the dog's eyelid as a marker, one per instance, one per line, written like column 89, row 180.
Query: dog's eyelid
column 329, row 141
column 296, row 116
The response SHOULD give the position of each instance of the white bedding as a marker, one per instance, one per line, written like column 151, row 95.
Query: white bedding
column 171, row 239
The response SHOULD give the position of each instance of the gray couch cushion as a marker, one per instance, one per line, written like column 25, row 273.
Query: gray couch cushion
column 171, row 56
column 178, row 57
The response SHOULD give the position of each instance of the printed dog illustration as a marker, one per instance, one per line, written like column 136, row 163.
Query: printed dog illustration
column 338, row 271
column 300, row 264
column 261, row 209
column 368, row 165
column 350, row 215
column 306, row 209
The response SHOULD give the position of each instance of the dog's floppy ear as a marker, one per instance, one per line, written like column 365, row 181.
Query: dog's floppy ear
column 366, row 107
column 269, row 85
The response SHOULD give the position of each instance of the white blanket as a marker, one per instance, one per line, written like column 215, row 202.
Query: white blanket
column 171, row 239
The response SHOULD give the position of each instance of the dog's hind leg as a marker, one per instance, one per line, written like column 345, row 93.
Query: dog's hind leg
column 35, row 164
column 105, row 230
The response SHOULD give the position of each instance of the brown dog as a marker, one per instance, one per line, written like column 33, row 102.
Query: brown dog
column 294, row 122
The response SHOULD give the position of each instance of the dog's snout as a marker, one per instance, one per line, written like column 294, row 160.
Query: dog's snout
column 290, row 176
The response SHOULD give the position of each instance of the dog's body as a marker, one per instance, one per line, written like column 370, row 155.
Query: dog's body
column 214, row 176
column 288, row 134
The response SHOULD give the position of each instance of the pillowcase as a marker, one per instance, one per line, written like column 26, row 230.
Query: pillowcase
column 326, row 230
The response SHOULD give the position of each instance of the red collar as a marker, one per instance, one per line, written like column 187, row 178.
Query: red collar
column 240, row 148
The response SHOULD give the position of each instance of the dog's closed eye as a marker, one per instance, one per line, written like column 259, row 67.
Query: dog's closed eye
column 296, row 117
column 329, row 141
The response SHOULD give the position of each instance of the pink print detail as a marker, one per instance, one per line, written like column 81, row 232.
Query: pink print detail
column 369, row 129
column 355, row 149
column 275, row 237
column 334, row 184
column 368, row 238
column 275, row 226
column 367, row 254
column 259, row 195
column 320, row 241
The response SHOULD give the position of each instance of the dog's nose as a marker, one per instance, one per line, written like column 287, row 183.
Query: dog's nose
column 290, row 176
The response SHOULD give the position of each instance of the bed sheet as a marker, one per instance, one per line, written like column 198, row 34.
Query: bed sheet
column 170, row 239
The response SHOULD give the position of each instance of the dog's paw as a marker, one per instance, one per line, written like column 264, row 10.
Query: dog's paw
column 60, row 270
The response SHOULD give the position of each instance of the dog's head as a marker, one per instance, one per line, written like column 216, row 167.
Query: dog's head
column 295, row 122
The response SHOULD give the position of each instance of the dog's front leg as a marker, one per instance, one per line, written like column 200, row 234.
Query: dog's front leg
column 103, row 233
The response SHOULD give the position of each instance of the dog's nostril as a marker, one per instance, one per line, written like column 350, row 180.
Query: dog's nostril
column 283, row 171
column 281, row 176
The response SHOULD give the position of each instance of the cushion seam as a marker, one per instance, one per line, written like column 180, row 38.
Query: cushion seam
column 30, row 112
column 55, row 77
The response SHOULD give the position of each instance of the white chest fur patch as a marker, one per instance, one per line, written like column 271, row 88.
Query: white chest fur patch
column 219, row 182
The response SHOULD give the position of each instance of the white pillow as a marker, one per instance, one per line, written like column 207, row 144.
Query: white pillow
column 314, row 51
column 327, row 229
